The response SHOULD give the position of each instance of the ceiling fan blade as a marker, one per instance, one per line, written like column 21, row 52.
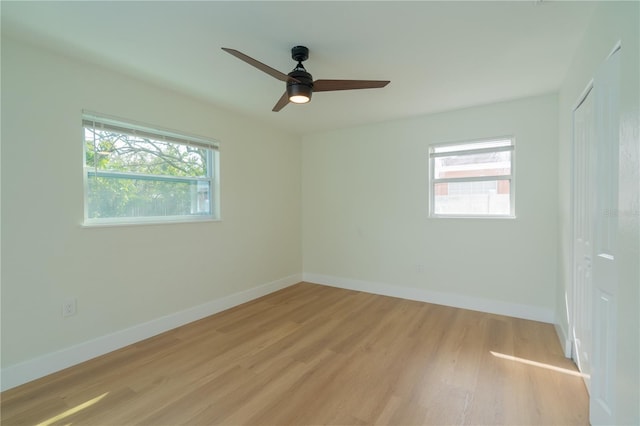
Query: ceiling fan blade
column 331, row 85
column 282, row 102
column 262, row 67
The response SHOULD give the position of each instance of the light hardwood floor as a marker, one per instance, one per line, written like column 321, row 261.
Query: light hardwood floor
column 311, row 354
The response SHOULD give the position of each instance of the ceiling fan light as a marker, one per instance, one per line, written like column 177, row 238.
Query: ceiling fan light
column 299, row 99
column 299, row 93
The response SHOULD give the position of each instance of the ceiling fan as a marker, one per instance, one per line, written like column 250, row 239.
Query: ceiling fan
column 300, row 84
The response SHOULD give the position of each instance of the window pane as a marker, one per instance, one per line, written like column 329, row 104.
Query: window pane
column 110, row 197
column 134, row 174
column 490, row 197
column 472, row 165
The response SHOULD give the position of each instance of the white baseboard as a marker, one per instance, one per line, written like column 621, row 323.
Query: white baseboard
column 516, row 310
column 27, row 371
column 565, row 341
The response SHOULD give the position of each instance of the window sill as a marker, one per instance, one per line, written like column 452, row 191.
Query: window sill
column 148, row 221
column 432, row 216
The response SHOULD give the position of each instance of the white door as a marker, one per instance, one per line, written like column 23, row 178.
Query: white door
column 606, row 90
column 584, row 171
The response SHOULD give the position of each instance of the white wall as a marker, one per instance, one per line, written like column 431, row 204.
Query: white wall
column 125, row 276
column 365, row 221
column 611, row 22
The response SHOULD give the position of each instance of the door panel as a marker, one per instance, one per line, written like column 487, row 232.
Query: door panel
column 583, row 205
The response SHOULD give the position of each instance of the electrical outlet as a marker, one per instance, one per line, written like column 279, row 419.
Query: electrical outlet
column 69, row 308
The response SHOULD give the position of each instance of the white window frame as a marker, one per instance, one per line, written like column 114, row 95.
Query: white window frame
column 130, row 127
column 433, row 181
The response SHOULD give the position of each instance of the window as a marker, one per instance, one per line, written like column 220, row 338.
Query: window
column 136, row 174
column 472, row 179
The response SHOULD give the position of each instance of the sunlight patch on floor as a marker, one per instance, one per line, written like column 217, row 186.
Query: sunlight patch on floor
column 72, row 411
column 538, row 364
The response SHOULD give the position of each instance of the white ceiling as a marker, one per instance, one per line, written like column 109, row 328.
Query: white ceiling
column 438, row 55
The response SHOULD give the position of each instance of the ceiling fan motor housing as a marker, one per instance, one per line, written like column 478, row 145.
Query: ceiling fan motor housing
column 304, row 84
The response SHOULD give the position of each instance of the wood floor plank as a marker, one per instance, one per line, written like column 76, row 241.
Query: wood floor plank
column 312, row 354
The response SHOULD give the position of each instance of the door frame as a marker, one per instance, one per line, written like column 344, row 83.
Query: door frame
column 571, row 296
